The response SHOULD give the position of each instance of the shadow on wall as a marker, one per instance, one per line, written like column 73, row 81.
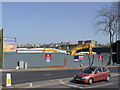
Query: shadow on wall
column 87, row 60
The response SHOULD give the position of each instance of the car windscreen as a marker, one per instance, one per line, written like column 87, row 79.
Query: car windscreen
column 88, row 70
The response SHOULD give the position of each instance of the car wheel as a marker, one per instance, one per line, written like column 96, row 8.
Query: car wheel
column 90, row 81
column 108, row 78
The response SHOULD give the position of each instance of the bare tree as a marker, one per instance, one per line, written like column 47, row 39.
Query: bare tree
column 107, row 21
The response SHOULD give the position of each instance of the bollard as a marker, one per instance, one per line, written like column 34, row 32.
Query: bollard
column 25, row 65
column 8, row 80
column 30, row 84
column 81, row 65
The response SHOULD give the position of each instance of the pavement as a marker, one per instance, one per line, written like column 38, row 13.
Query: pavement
column 41, row 69
column 49, row 68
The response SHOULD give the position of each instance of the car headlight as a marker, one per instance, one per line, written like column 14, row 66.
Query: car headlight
column 85, row 77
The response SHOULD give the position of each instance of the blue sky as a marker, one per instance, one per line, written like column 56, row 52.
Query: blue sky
column 0, row 15
column 50, row 22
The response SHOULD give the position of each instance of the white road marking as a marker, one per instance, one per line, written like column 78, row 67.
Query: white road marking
column 68, row 84
column 61, row 81
column 22, row 84
column 114, row 74
column 83, row 87
column 52, row 80
column 100, row 85
column 35, row 86
column 0, row 87
column 47, row 74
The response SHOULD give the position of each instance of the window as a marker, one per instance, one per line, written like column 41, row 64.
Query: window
column 104, row 69
column 88, row 70
column 98, row 70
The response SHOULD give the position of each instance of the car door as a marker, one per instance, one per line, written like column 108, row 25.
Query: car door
column 105, row 72
column 98, row 74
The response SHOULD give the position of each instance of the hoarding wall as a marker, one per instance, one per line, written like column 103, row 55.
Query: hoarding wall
column 88, row 60
column 33, row 59
column 53, row 59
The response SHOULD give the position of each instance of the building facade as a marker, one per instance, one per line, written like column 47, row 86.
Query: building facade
column 87, row 42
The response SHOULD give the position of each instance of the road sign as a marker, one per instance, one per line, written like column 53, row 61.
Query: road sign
column 100, row 57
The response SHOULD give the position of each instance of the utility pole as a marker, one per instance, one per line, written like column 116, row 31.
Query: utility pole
column 1, row 49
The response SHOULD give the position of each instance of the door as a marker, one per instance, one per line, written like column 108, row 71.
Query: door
column 98, row 74
column 105, row 72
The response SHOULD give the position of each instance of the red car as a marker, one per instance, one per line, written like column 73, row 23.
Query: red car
column 92, row 74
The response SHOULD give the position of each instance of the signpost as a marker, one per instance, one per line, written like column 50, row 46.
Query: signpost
column 48, row 57
column 1, row 49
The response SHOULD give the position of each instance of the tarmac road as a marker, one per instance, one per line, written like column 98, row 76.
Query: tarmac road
column 33, row 76
column 68, row 83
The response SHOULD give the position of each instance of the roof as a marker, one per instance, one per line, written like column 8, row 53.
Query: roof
column 95, row 66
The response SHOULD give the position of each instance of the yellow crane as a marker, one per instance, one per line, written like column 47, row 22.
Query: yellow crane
column 82, row 47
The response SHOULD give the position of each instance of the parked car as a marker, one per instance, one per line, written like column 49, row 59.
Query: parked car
column 92, row 74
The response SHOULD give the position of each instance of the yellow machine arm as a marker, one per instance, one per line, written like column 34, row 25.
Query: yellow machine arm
column 49, row 50
column 82, row 47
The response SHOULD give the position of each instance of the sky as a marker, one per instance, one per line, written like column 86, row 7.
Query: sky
column 51, row 22
column 0, row 15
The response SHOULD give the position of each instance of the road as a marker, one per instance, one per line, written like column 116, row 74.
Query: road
column 32, row 76
column 59, row 75
column 69, row 83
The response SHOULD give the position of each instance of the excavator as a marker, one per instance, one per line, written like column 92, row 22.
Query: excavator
column 53, row 50
column 74, row 49
column 49, row 50
column 82, row 47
